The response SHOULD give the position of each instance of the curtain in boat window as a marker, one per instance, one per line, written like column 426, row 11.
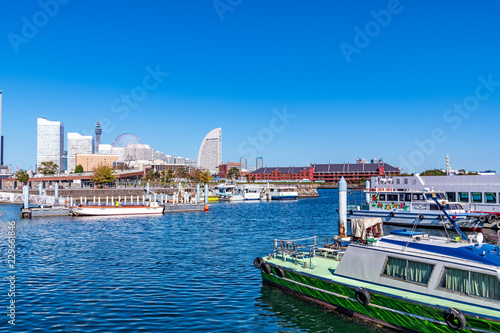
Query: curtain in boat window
column 396, row 267
column 484, row 285
column 455, row 279
column 419, row 272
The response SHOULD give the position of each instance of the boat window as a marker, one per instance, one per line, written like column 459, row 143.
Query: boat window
column 406, row 180
column 407, row 197
column 381, row 197
column 463, row 196
column 490, row 197
column 452, row 196
column 434, row 207
column 408, row 270
column 397, row 181
column 476, row 197
column 471, row 283
column 392, row 197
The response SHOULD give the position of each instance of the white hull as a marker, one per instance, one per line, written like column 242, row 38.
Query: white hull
column 110, row 210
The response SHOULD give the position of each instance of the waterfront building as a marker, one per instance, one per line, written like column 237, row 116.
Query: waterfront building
column 138, row 152
column 105, row 148
column 224, row 168
column 244, row 164
column 98, row 132
column 329, row 173
column 259, row 163
column 78, row 144
column 50, row 142
column 91, row 161
column 210, row 154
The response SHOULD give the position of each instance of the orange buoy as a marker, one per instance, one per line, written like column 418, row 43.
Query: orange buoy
column 206, row 208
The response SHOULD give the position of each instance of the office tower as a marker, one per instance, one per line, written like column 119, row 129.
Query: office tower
column 259, row 163
column 210, row 154
column 78, row 144
column 243, row 162
column 50, row 142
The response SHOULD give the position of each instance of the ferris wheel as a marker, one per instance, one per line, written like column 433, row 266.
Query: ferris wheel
column 123, row 140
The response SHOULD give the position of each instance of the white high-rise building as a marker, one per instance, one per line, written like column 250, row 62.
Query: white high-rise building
column 210, row 154
column 50, row 142
column 78, row 144
column 259, row 163
column 138, row 152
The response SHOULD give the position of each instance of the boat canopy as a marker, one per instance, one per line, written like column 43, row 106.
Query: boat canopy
column 359, row 226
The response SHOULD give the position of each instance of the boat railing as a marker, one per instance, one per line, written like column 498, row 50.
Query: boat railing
column 307, row 248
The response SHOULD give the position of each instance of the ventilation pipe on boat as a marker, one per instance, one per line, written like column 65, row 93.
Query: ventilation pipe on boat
column 342, row 208
column 367, row 194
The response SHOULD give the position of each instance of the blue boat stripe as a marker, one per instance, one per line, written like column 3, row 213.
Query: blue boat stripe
column 377, row 306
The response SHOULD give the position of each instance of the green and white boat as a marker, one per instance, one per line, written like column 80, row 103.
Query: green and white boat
column 406, row 280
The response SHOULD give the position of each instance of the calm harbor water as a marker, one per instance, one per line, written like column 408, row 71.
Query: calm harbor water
column 177, row 272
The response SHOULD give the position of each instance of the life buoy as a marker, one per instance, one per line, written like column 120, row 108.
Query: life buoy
column 391, row 214
column 492, row 218
column 258, row 262
column 455, row 319
column 280, row 271
column 266, row 267
column 482, row 218
column 421, row 216
column 362, row 296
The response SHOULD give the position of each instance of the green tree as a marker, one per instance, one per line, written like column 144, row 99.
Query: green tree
column 233, row 173
column 102, row 175
column 22, row 176
column 48, row 168
column 472, row 173
column 79, row 168
column 170, row 175
column 253, row 179
column 434, row 172
column 180, row 172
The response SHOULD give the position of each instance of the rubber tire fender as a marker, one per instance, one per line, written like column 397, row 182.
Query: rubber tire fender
column 441, row 217
column 258, row 262
column 266, row 268
column 362, row 296
column 421, row 216
column 280, row 271
column 492, row 218
column 350, row 211
column 482, row 218
column 455, row 319
column 391, row 214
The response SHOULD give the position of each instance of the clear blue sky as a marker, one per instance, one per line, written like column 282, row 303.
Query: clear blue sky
column 348, row 94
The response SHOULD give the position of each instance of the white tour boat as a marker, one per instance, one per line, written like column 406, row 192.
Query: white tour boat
column 151, row 208
column 283, row 192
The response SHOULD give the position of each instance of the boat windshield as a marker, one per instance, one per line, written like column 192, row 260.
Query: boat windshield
column 453, row 207
column 439, row 196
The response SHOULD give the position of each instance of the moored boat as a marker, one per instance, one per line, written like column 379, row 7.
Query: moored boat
column 151, row 208
column 283, row 192
column 407, row 280
column 412, row 207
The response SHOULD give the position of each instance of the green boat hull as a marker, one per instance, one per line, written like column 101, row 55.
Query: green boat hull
column 395, row 312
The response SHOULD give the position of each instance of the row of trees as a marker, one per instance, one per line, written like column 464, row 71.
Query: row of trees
column 199, row 176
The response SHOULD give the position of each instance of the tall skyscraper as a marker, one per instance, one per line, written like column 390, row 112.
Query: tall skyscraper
column 50, row 142
column 210, row 154
column 244, row 163
column 259, row 163
column 98, row 132
column 78, row 144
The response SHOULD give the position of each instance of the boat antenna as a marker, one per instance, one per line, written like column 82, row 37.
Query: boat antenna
column 452, row 220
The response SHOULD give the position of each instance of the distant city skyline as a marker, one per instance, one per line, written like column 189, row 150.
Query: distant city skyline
column 294, row 82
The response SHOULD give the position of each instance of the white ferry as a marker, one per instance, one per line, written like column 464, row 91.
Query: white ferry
column 252, row 192
column 476, row 193
column 407, row 208
column 229, row 192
